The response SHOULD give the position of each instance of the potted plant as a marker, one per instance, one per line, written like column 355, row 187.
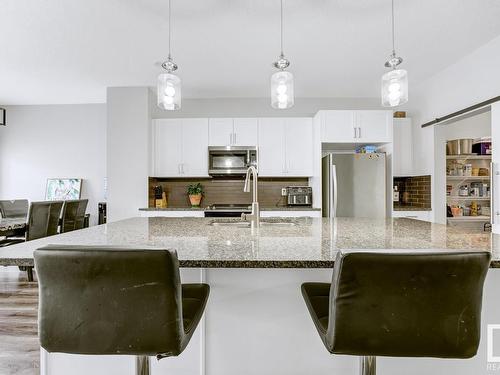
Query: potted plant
column 195, row 193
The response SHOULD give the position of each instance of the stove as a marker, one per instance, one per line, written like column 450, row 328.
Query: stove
column 227, row 210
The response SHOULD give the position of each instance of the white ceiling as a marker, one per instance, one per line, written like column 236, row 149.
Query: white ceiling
column 69, row 51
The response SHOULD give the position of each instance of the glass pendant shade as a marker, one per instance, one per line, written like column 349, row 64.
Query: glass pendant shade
column 282, row 90
column 169, row 92
column 394, row 88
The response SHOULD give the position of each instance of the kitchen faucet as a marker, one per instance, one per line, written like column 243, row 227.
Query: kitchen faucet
column 254, row 217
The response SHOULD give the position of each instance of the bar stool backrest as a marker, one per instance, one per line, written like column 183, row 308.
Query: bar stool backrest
column 43, row 219
column 109, row 300
column 73, row 215
column 14, row 209
column 424, row 304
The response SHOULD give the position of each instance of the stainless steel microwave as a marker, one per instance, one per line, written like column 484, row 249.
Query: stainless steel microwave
column 231, row 160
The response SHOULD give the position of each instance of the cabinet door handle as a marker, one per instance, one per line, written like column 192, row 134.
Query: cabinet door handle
column 230, row 138
column 355, row 132
column 234, row 138
column 179, row 168
column 359, row 132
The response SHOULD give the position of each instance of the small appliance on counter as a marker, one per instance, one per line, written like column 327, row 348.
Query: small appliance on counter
column 299, row 196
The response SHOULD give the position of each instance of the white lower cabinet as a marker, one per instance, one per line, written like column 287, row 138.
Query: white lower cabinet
column 417, row 215
column 200, row 213
column 175, row 213
column 311, row 213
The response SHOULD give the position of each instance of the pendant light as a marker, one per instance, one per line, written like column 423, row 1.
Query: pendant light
column 169, row 85
column 394, row 82
column 282, row 81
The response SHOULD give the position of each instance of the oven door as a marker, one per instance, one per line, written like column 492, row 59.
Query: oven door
column 230, row 160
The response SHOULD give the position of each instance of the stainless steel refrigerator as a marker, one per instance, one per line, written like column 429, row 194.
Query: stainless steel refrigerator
column 354, row 185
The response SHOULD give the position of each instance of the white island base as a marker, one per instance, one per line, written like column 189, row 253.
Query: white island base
column 257, row 323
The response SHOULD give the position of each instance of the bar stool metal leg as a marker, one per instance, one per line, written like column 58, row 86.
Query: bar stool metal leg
column 368, row 365
column 142, row 366
column 30, row 273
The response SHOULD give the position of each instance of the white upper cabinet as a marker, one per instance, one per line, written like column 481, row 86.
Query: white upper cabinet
column 337, row 126
column 233, row 132
column 245, row 132
column 285, row 147
column 402, row 156
column 371, row 126
column 194, row 147
column 180, row 147
column 220, row 131
column 271, row 151
column 167, row 148
column 374, row 126
column 299, row 147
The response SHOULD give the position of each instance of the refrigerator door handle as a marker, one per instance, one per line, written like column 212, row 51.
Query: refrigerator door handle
column 333, row 191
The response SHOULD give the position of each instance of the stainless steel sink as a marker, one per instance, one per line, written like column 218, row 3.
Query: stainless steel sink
column 247, row 224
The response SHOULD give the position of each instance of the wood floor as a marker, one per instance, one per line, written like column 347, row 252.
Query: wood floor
column 19, row 348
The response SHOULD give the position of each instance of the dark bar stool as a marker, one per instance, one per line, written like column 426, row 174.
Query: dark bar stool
column 73, row 215
column 400, row 304
column 108, row 300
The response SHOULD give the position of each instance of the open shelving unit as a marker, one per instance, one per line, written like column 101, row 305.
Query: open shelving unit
column 454, row 199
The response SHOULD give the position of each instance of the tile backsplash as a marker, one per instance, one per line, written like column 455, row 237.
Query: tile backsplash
column 417, row 189
column 223, row 190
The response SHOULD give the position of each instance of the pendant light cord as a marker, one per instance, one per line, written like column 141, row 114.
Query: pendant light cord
column 393, row 44
column 169, row 29
column 282, row 28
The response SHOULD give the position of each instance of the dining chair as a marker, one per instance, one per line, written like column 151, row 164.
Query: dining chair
column 14, row 208
column 73, row 215
column 43, row 221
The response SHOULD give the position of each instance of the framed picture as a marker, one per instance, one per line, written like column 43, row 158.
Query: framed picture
column 62, row 189
column 2, row 116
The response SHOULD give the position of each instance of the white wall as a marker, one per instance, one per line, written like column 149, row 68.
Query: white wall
column 472, row 79
column 128, row 150
column 259, row 107
column 41, row 142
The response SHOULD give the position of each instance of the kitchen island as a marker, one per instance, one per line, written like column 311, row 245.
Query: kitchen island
column 256, row 321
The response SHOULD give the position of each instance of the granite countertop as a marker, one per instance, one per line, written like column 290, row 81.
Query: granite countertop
column 411, row 208
column 311, row 243
column 273, row 208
